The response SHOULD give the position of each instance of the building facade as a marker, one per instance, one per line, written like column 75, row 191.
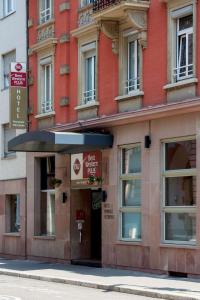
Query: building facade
column 12, row 165
column 127, row 70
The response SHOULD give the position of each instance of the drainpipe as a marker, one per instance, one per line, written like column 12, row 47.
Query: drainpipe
column 27, row 64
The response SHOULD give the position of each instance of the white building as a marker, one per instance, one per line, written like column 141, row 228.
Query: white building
column 12, row 165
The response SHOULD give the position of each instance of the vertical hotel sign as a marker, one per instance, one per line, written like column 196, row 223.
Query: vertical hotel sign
column 18, row 96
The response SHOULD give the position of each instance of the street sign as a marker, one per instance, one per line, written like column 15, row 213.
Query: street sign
column 18, row 96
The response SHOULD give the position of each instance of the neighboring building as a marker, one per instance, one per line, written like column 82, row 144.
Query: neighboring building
column 127, row 70
column 12, row 164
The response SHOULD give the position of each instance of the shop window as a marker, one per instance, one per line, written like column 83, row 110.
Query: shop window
column 8, row 7
column 7, row 59
column 12, row 213
column 45, row 11
column 130, row 186
column 8, row 134
column 46, row 85
column 179, row 205
column 88, row 66
column 46, row 206
column 182, row 43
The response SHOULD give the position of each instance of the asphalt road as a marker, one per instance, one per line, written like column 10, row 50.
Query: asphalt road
column 13, row 288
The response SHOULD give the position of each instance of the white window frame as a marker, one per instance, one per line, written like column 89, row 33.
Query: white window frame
column 46, row 105
column 174, row 68
column 175, row 173
column 6, row 10
column 6, row 75
column 88, row 51
column 5, row 152
column 45, row 15
column 132, row 84
column 8, row 214
column 125, row 177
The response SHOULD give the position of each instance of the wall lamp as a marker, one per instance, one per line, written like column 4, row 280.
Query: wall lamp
column 147, row 141
column 64, row 197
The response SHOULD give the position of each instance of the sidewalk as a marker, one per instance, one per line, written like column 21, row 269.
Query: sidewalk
column 124, row 281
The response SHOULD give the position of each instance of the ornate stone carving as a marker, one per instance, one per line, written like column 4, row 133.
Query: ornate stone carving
column 138, row 19
column 111, row 30
column 85, row 17
column 45, row 33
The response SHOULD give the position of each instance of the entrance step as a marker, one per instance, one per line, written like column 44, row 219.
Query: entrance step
column 87, row 263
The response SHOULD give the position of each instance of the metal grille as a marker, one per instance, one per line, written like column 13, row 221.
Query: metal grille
column 102, row 4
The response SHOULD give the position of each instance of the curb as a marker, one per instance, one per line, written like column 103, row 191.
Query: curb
column 113, row 288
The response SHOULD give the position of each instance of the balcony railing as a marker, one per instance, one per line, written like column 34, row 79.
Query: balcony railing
column 102, row 4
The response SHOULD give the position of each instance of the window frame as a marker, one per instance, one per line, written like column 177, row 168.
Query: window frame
column 84, row 3
column 48, row 16
column 8, row 216
column 88, row 50
column 6, row 6
column 125, row 177
column 169, row 174
column 46, row 105
column 7, row 154
column 6, row 76
column 175, row 13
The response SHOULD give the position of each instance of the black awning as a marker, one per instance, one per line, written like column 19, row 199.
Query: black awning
column 61, row 142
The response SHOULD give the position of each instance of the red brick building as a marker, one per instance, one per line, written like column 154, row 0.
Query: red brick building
column 117, row 83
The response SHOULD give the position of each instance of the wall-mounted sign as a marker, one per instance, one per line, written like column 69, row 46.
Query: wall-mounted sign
column 84, row 167
column 18, row 96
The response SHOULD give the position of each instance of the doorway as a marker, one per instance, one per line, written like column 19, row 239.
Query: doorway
column 88, row 251
column 96, row 225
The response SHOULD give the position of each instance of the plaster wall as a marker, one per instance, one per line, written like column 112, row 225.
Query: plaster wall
column 12, row 37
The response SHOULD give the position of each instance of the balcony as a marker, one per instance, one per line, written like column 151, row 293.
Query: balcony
column 116, row 9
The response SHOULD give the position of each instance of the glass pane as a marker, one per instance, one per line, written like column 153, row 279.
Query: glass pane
column 48, row 82
column 180, row 155
column 131, row 192
column 185, row 22
column 190, row 49
column 131, row 225
column 180, row 227
column 131, row 160
column 131, row 58
column 180, row 191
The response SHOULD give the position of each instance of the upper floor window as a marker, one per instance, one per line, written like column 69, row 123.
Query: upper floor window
column 46, row 85
column 45, row 10
column 88, row 66
column 7, row 59
column 8, row 7
column 183, row 43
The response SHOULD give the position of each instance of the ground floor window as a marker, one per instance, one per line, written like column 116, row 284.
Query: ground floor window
column 47, row 211
column 130, row 192
column 12, row 213
column 179, row 191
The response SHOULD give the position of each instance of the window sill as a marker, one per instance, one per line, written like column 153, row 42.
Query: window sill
column 6, row 16
column 44, row 237
column 7, row 157
column 181, row 246
column 12, row 234
column 129, row 243
column 49, row 22
column 180, row 84
column 129, row 96
column 85, row 7
column 87, row 106
column 45, row 115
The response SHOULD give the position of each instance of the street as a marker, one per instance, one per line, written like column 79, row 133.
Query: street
column 13, row 288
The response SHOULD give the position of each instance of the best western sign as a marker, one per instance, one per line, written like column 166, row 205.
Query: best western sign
column 18, row 96
column 84, row 168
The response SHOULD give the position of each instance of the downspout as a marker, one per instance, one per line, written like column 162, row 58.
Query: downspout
column 27, row 64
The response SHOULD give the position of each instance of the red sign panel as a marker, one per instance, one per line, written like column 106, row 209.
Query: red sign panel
column 18, row 79
column 80, row 215
column 91, row 164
